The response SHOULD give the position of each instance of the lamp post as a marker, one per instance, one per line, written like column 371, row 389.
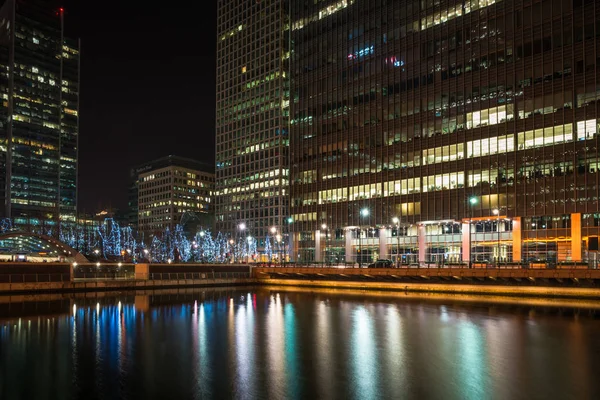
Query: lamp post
column 472, row 202
column 324, row 227
column 278, row 239
column 273, row 233
column 396, row 221
column 241, row 228
column 363, row 213
column 249, row 240
column 290, row 220
column 496, row 212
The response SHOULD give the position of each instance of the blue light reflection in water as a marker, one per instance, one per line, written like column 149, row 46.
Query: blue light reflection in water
column 278, row 344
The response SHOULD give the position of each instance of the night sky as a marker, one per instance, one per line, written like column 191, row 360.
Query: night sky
column 147, row 89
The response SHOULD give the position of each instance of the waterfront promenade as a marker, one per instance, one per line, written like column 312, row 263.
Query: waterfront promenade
column 56, row 277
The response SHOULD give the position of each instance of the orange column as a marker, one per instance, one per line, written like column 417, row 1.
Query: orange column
column 318, row 254
column 516, row 239
column 421, row 242
column 142, row 272
column 466, row 245
column 576, row 237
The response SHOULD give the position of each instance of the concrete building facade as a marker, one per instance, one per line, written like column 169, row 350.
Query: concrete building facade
column 170, row 188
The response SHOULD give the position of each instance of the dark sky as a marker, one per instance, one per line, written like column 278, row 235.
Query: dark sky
column 147, row 89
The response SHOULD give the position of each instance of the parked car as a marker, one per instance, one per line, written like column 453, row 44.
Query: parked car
column 381, row 263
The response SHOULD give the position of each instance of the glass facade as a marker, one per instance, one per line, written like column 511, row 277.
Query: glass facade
column 252, row 140
column 39, row 115
column 444, row 130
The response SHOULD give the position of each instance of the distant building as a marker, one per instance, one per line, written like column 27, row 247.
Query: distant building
column 39, row 115
column 169, row 188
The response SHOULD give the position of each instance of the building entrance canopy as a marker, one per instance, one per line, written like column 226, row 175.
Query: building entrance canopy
column 25, row 246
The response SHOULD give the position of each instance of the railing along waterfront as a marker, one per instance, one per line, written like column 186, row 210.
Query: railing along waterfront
column 155, row 276
column 433, row 265
column 34, row 278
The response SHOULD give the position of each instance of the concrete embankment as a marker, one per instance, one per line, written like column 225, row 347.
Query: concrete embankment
column 40, row 278
column 119, row 285
column 571, row 283
column 442, row 288
column 93, row 277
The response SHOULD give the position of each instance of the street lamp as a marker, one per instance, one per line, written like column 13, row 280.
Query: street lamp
column 324, row 227
column 278, row 239
column 241, row 228
column 249, row 240
column 273, row 232
column 290, row 221
column 472, row 202
column 396, row 221
column 496, row 212
column 363, row 213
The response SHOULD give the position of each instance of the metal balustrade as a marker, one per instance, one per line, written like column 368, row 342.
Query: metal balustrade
column 34, row 278
column 157, row 276
column 434, row 265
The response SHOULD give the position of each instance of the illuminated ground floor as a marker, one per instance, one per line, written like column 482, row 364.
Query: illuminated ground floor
column 493, row 239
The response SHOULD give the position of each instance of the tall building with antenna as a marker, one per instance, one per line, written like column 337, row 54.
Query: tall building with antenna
column 39, row 115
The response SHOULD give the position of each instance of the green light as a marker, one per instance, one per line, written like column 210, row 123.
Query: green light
column 473, row 200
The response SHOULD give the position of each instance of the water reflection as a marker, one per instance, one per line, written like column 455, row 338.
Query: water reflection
column 275, row 348
column 364, row 355
column 295, row 344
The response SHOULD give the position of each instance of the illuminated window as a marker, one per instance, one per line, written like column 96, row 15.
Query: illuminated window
column 587, row 129
column 489, row 146
column 244, row 69
column 491, row 116
column 451, row 180
column 545, row 136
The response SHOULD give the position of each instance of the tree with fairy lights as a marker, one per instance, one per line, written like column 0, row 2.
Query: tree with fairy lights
column 268, row 248
column 221, row 248
column 251, row 248
column 5, row 225
column 110, row 238
column 181, row 245
column 205, row 247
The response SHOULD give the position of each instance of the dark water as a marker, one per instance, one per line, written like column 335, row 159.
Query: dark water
column 277, row 344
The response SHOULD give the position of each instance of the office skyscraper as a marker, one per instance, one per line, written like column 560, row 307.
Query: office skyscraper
column 39, row 115
column 441, row 131
column 252, row 118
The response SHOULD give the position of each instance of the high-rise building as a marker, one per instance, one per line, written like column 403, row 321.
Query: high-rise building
column 445, row 130
column 252, row 118
column 39, row 115
column 168, row 189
